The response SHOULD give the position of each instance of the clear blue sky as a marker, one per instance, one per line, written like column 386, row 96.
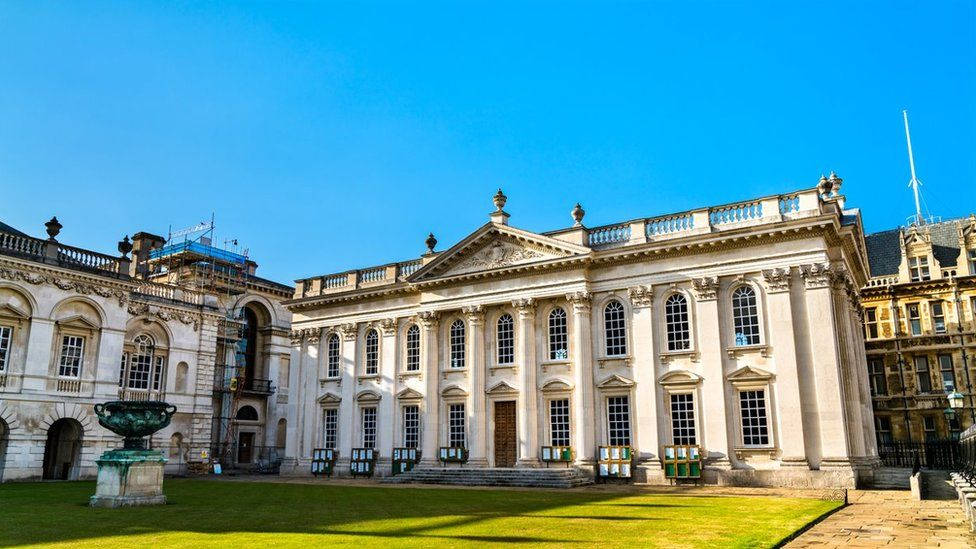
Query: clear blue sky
column 328, row 137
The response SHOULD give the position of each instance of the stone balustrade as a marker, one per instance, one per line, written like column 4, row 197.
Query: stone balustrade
column 62, row 255
column 170, row 292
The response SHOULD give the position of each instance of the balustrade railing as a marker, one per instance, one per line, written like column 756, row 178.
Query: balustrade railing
column 933, row 454
column 735, row 213
column 605, row 236
column 21, row 245
column 670, row 224
column 372, row 275
column 335, row 281
column 61, row 255
column 410, row 267
column 170, row 292
column 69, row 386
column 789, row 204
column 879, row 281
column 966, row 460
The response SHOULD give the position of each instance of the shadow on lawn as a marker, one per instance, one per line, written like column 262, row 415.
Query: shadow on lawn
column 30, row 512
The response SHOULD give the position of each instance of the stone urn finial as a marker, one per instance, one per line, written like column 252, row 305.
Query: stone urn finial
column 125, row 246
column 835, row 183
column 823, row 187
column 431, row 242
column 500, row 199
column 578, row 213
column 53, row 228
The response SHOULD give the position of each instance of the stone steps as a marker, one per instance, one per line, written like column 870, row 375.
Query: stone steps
column 470, row 476
column 891, row 478
column 937, row 485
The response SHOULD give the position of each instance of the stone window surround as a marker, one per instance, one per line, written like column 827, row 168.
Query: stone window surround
column 764, row 382
column 662, row 325
column 89, row 334
column 760, row 312
column 692, row 390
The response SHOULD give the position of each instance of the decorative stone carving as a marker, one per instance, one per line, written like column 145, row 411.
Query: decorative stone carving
column 525, row 306
column 144, row 309
column 499, row 200
column 349, row 331
column 313, row 335
column 388, row 326
column 296, row 337
column 83, row 288
column 706, row 288
column 577, row 213
column 817, row 275
column 428, row 319
column 641, row 296
column 581, row 302
column 777, row 280
column 431, row 242
column 474, row 313
column 495, row 255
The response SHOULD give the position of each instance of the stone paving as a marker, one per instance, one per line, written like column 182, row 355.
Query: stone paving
column 890, row 518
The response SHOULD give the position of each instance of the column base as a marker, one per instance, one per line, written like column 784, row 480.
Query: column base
column 794, row 463
column 529, row 463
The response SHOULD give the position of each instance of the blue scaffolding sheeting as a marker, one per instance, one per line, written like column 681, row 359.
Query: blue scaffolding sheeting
column 197, row 248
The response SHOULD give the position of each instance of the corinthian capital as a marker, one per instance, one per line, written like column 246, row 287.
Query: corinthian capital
column 817, row 275
column 525, row 306
column 777, row 280
column 641, row 296
column 580, row 301
column 388, row 325
column 474, row 313
column 428, row 319
column 705, row 287
column 349, row 331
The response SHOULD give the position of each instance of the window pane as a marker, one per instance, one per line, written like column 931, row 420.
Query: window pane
column 333, row 356
column 752, row 406
column 922, row 372
column 745, row 316
column 330, row 423
column 559, row 422
column 411, row 426
column 457, row 344
column 683, row 419
column 947, row 372
column 369, row 427
column 615, row 328
column 456, row 420
column 558, row 348
column 4, row 347
column 413, row 348
column 506, row 339
column 372, row 355
column 72, row 351
column 676, row 320
column 618, row 416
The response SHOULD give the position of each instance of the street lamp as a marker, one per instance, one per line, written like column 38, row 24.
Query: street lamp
column 955, row 401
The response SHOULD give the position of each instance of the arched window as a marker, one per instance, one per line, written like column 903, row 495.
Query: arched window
column 745, row 316
column 247, row 413
column 558, row 348
column 615, row 328
column 413, row 348
column 676, row 320
column 457, row 344
column 332, row 356
column 506, row 339
column 372, row 352
column 140, row 367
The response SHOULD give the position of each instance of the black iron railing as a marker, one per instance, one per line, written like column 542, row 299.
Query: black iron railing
column 256, row 459
column 935, row 454
column 966, row 462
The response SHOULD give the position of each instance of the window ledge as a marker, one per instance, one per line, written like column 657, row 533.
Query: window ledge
column 325, row 381
column 736, row 351
column 623, row 360
column 512, row 366
column 742, row 452
column 367, row 377
column 667, row 356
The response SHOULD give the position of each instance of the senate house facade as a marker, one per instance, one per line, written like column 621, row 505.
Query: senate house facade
column 733, row 327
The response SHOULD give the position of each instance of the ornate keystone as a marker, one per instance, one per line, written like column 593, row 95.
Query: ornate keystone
column 578, row 213
column 53, row 228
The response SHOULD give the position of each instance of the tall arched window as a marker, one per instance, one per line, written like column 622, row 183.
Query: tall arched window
column 413, row 348
column 372, row 352
column 745, row 316
column 140, row 367
column 676, row 320
column 615, row 328
column 558, row 348
column 506, row 339
column 332, row 358
column 457, row 344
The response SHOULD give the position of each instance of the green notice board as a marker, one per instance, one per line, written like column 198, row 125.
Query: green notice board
column 323, row 461
column 682, row 461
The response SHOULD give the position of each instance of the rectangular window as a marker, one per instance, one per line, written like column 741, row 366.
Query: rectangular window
column 954, row 428
column 883, row 428
column 158, row 374
column 333, row 356
column 683, row 419
column 928, row 425
column 139, row 371
column 972, row 262
column 369, row 427
column 871, row 323
column 413, row 349
column 918, row 267
column 411, row 426
column 506, row 340
column 752, row 406
column 330, row 426
column 948, row 373
column 559, row 422
column 938, row 317
column 456, row 420
column 922, row 372
column 4, row 347
column 558, row 341
column 72, row 353
column 125, row 359
column 618, row 420
column 879, row 383
column 914, row 319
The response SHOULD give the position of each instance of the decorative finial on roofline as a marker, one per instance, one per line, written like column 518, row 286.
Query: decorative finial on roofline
column 578, row 213
column 500, row 199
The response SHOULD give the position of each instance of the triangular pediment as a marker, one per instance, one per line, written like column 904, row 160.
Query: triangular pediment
column 749, row 374
column 329, row 398
column 615, row 381
column 78, row 321
column 677, row 378
column 496, row 247
column 8, row 310
column 409, row 394
column 501, row 388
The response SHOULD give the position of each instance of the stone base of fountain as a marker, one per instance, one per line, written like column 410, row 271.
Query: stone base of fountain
column 129, row 477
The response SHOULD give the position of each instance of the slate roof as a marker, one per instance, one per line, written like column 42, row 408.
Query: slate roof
column 884, row 251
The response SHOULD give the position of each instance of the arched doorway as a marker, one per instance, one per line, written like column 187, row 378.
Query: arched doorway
column 62, row 451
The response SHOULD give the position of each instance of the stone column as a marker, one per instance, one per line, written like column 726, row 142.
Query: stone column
column 386, row 414
column 581, row 347
column 713, row 402
column 528, row 416
column 822, row 317
column 477, row 418
column 789, row 400
column 310, row 368
column 646, row 441
column 296, row 404
column 431, row 421
column 348, row 434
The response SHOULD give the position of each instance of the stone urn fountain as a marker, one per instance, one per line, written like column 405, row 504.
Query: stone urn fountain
column 131, row 475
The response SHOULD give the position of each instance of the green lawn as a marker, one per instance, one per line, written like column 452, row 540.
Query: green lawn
column 205, row 513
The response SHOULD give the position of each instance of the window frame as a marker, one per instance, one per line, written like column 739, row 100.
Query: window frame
column 877, row 376
column 80, row 358
column 620, row 346
column 371, row 352
column 614, row 432
column 670, row 323
column 763, row 429
column 457, row 419
column 6, row 346
column 914, row 322
column 920, row 359
column 689, row 423
column 333, row 360
column 943, row 370
column 884, row 436
column 930, row 435
column 553, row 339
column 412, row 361
column 456, row 342
column 505, row 340
column 557, row 427
column 872, row 328
column 368, row 426
column 918, row 268
column 938, row 326
column 758, row 325
column 407, row 425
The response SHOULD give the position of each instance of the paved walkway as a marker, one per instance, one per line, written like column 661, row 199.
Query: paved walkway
column 890, row 518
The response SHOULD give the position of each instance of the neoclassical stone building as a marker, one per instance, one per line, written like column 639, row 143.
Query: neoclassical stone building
column 78, row 327
column 733, row 327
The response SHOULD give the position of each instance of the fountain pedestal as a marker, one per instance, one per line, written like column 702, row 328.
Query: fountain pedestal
column 129, row 477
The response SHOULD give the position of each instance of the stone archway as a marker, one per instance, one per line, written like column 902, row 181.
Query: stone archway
column 62, row 451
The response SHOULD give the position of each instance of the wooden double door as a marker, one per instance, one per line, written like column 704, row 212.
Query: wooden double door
column 506, row 434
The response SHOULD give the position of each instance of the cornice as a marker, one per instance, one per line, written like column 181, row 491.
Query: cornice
column 165, row 314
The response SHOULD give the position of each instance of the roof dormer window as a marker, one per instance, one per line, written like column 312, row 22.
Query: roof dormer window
column 918, row 268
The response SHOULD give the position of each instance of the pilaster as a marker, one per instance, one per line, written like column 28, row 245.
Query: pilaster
column 386, row 414
column 477, row 418
column 714, row 402
column 581, row 348
column 528, row 418
column 647, row 442
column 347, row 390
column 428, row 349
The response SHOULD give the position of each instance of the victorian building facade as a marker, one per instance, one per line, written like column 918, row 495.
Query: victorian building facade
column 732, row 327
column 78, row 327
column 920, row 325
